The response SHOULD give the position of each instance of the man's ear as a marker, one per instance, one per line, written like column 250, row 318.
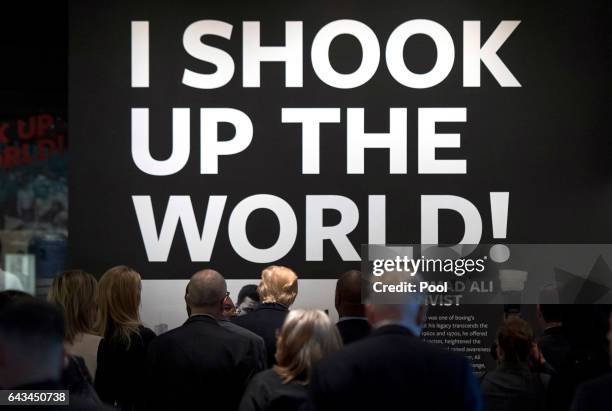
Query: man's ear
column 421, row 316
column 187, row 304
column 499, row 351
column 370, row 313
column 187, row 294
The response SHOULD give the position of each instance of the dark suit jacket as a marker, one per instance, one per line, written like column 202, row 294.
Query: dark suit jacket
column 199, row 365
column 353, row 329
column 513, row 387
column 391, row 367
column 267, row 392
column 258, row 346
column 555, row 346
column 264, row 321
column 582, row 365
column 595, row 395
column 120, row 371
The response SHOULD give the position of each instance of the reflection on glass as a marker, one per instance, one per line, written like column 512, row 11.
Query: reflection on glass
column 33, row 202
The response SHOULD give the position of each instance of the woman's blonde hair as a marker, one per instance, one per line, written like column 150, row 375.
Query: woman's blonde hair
column 118, row 302
column 74, row 292
column 278, row 285
column 305, row 337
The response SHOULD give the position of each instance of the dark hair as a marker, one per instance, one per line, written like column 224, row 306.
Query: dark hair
column 550, row 308
column 515, row 338
column 249, row 290
column 552, row 312
column 32, row 323
column 8, row 297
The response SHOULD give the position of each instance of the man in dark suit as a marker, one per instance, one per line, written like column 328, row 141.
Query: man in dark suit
column 553, row 343
column 595, row 395
column 392, row 366
column 199, row 365
column 258, row 346
column 353, row 324
column 586, row 327
column 278, row 290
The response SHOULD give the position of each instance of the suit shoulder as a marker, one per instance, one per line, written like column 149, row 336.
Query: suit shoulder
column 342, row 357
column 185, row 336
column 163, row 338
column 232, row 335
column 238, row 329
column 147, row 334
column 246, row 319
column 374, row 347
column 597, row 386
column 264, row 378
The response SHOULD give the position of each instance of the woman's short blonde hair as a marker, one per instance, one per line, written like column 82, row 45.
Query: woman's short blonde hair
column 119, row 302
column 278, row 285
column 74, row 292
column 305, row 337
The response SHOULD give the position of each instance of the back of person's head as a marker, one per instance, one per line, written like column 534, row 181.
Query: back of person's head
column 278, row 285
column 31, row 342
column 548, row 305
column 551, row 313
column 248, row 298
column 118, row 304
column 8, row 297
column 248, row 291
column 305, row 337
column 206, row 293
column 515, row 340
column 348, row 295
column 407, row 308
column 75, row 292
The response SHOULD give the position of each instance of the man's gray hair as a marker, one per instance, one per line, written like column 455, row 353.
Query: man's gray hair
column 402, row 307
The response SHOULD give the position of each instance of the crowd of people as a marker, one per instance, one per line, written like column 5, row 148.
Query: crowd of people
column 259, row 355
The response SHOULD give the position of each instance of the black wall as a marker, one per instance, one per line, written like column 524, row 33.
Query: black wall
column 547, row 143
column 34, row 58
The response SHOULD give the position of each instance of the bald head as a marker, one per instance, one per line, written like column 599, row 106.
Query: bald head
column 348, row 295
column 205, row 292
column 406, row 308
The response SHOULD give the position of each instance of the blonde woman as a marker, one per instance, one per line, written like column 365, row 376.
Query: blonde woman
column 305, row 338
column 122, row 352
column 277, row 290
column 74, row 292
